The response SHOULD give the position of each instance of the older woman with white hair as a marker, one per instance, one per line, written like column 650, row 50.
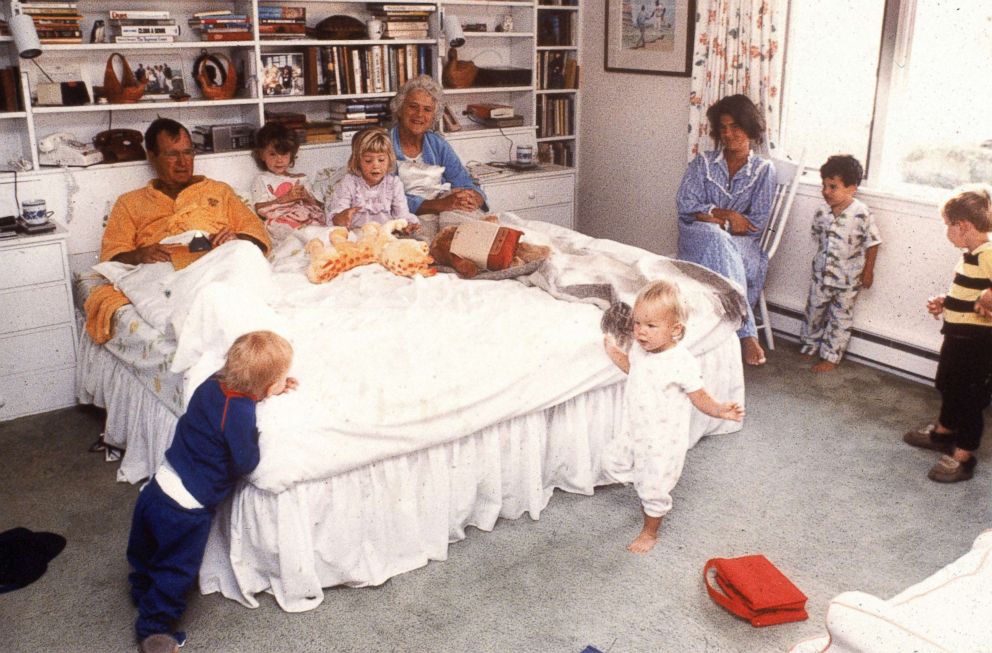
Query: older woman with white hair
column 432, row 174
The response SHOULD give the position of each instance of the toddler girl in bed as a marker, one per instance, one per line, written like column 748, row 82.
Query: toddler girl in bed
column 371, row 192
column 664, row 383
column 215, row 444
column 282, row 197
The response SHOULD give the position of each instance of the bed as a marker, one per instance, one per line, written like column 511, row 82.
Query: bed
column 425, row 405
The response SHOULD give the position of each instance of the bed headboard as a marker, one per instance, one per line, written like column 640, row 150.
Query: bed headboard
column 83, row 197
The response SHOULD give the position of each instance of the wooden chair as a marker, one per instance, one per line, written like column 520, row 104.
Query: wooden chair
column 788, row 173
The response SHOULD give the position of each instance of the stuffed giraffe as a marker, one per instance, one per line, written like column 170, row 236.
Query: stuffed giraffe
column 376, row 243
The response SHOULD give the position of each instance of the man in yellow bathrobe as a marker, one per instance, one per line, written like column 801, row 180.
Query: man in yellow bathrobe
column 174, row 202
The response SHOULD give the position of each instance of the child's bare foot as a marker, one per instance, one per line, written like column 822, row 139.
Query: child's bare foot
column 648, row 536
column 824, row 366
column 643, row 543
column 753, row 353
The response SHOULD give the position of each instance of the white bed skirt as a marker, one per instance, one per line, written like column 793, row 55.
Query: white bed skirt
column 137, row 420
column 364, row 526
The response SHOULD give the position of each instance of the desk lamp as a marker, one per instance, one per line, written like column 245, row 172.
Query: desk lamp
column 22, row 29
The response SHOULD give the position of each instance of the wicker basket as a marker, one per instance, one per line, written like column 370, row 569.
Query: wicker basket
column 125, row 90
column 458, row 74
column 229, row 77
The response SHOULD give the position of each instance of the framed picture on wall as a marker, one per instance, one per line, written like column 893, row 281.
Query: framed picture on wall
column 651, row 37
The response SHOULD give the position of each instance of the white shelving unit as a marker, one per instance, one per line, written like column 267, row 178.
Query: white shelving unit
column 520, row 47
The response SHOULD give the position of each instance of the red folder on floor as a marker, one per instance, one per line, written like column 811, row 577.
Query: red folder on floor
column 754, row 589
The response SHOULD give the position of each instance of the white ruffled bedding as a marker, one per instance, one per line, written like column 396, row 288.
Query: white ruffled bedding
column 425, row 405
column 389, row 365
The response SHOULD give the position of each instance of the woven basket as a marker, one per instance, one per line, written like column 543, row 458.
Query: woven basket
column 229, row 77
column 458, row 74
column 126, row 89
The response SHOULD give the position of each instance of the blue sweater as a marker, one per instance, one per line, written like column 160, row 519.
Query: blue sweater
column 438, row 152
column 216, row 442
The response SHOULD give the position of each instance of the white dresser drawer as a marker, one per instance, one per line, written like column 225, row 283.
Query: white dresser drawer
column 37, row 350
column 559, row 214
column 25, row 266
column 29, row 308
column 24, row 394
column 526, row 194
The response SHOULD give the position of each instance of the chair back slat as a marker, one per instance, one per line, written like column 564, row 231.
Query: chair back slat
column 787, row 175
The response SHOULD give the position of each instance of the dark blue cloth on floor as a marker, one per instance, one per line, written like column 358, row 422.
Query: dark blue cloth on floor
column 24, row 556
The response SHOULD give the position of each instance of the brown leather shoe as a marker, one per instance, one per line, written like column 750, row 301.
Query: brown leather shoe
column 949, row 470
column 927, row 438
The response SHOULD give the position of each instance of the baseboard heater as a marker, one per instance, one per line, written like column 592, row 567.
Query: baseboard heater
column 900, row 358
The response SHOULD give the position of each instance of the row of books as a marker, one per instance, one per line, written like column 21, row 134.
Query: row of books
column 555, row 116
column 55, row 21
column 354, row 70
column 140, row 26
column 559, row 152
column 10, row 89
column 349, row 117
column 306, row 131
column 556, row 28
column 406, row 21
column 221, row 25
column 557, row 69
column 282, row 22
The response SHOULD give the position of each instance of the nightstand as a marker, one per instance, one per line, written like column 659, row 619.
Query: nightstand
column 37, row 325
column 547, row 194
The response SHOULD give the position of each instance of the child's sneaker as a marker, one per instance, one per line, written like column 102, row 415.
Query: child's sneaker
column 949, row 470
column 926, row 437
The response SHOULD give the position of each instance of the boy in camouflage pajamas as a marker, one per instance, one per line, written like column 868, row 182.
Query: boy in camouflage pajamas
column 847, row 244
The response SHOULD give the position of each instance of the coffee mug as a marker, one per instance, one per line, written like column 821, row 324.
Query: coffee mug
column 33, row 212
column 525, row 154
column 374, row 27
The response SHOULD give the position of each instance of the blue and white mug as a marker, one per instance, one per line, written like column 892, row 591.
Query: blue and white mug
column 34, row 212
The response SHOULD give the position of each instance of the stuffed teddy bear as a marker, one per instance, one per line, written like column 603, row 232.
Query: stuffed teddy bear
column 376, row 244
column 501, row 247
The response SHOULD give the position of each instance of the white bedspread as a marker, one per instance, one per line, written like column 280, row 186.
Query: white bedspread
column 949, row 611
column 388, row 365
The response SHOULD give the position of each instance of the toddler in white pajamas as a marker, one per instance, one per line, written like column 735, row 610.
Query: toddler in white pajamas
column 664, row 384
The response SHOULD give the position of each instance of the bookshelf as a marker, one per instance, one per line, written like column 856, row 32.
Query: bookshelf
column 541, row 36
column 513, row 39
column 557, row 93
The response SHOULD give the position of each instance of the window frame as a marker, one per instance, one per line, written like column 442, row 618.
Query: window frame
column 895, row 50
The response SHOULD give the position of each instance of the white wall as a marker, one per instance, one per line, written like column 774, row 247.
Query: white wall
column 632, row 148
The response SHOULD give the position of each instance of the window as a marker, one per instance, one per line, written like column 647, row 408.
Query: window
column 902, row 85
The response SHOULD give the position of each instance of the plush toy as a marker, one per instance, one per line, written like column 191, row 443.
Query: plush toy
column 495, row 247
column 376, row 244
column 618, row 323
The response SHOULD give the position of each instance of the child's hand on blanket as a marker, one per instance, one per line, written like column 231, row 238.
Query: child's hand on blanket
column 616, row 354
column 343, row 218
column 282, row 387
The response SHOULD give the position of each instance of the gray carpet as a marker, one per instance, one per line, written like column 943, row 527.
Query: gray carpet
column 818, row 480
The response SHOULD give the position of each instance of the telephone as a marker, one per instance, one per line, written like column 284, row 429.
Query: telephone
column 63, row 149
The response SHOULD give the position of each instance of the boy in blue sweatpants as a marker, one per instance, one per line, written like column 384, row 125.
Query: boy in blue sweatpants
column 215, row 444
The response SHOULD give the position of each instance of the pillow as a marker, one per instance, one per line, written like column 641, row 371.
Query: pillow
column 422, row 179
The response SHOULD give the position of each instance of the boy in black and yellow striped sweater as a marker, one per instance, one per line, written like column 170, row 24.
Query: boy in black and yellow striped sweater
column 964, row 373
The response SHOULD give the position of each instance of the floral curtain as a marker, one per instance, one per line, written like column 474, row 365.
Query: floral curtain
column 736, row 51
